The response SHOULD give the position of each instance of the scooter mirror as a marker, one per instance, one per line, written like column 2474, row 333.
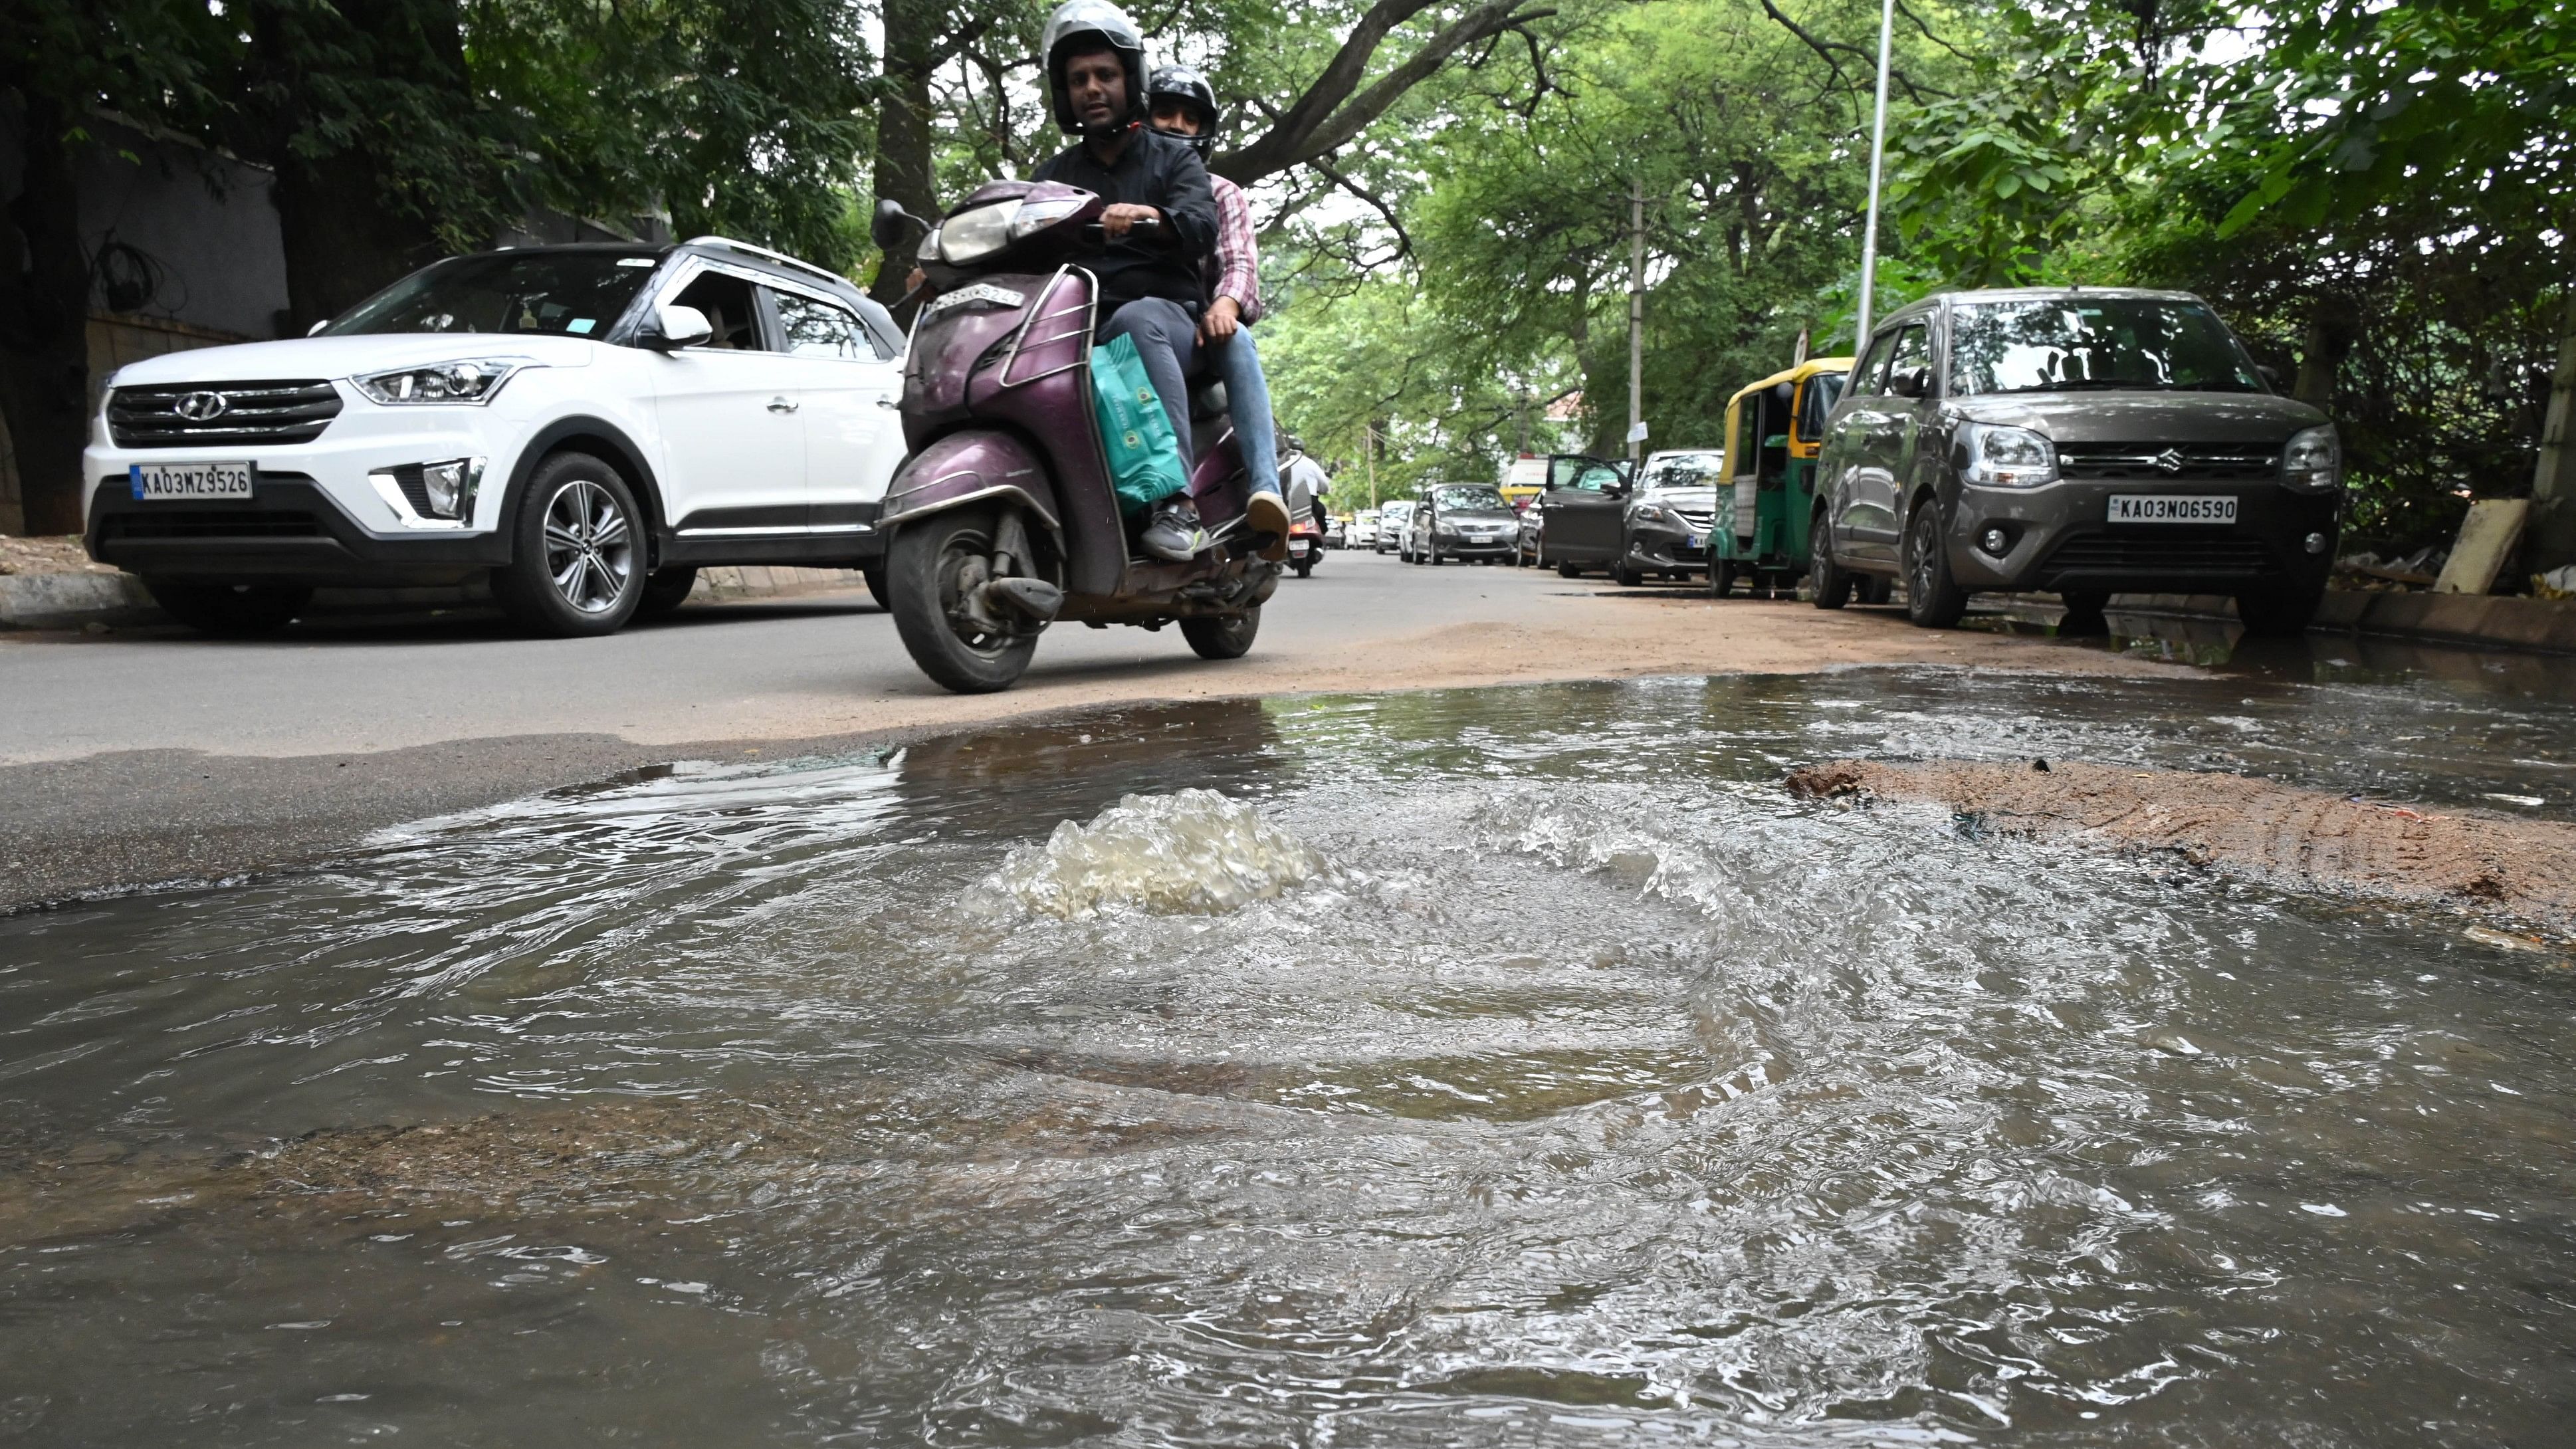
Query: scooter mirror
column 682, row 327
column 887, row 227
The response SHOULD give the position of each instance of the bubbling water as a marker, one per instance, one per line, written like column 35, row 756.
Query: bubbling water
column 1192, row 852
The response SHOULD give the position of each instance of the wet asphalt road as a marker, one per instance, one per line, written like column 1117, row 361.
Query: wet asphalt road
column 153, row 754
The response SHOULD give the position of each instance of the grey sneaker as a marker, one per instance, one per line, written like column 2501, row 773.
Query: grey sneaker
column 1175, row 533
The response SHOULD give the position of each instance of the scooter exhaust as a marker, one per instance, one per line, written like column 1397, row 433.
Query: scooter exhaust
column 1035, row 600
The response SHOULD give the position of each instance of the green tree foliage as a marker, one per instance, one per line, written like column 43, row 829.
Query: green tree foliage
column 2378, row 196
column 1748, row 139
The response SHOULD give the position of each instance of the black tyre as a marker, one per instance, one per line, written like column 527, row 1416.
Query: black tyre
column 929, row 568
column 2280, row 613
column 1933, row 599
column 1833, row 586
column 1436, row 559
column 665, row 590
column 2084, row 618
column 1305, row 568
column 576, row 551
column 230, row 611
column 1873, row 588
column 874, row 576
column 1227, row 636
column 1722, row 574
column 1568, row 571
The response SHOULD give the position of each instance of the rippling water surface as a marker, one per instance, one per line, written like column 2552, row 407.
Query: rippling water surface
column 1523, row 1067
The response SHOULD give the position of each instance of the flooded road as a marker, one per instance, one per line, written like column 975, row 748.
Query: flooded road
column 1488, row 1067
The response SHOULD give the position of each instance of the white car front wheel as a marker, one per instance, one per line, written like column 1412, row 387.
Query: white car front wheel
column 577, row 551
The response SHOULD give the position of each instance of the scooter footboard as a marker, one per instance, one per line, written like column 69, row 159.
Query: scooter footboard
column 974, row 465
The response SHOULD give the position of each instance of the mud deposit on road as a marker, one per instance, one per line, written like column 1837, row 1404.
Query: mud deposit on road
column 1493, row 1067
column 2305, row 838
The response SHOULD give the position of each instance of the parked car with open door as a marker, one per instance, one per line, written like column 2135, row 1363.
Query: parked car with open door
column 1582, row 515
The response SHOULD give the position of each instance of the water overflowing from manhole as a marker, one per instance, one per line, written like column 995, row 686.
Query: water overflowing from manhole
column 1501, row 1067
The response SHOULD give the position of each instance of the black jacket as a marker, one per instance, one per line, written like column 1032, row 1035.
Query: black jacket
column 1158, row 171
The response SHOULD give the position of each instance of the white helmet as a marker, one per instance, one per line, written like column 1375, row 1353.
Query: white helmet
column 1100, row 24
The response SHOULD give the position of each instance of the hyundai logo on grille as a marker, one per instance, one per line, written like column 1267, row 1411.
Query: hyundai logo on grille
column 200, row 407
column 2169, row 461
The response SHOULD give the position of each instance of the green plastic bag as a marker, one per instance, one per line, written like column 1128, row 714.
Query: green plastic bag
column 1144, row 457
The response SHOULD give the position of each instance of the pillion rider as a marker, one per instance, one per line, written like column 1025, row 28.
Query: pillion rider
column 1159, row 222
column 1184, row 105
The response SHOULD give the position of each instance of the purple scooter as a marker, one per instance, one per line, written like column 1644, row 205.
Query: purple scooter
column 1002, row 519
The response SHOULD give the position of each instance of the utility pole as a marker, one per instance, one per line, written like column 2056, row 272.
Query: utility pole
column 1368, row 455
column 1637, row 316
column 1877, row 151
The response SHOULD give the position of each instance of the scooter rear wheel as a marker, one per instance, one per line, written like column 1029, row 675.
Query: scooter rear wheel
column 928, row 566
column 1227, row 636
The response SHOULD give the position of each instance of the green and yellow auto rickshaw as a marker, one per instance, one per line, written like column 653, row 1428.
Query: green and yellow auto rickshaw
column 1774, row 429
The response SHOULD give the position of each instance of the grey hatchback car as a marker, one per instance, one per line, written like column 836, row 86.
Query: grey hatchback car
column 2074, row 441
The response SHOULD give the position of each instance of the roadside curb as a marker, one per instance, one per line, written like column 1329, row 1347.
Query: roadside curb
column 2478, row 621
column 72, row 601
column 68, row 601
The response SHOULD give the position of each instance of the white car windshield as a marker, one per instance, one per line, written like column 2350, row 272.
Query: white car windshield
column 1459, row 497
column 566, row 294
column 2076, row 344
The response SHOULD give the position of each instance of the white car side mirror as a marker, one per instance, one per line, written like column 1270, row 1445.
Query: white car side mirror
column 684, row 326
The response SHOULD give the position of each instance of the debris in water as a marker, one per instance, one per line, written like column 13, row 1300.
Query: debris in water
column 2504, row 940
column 2303, row 838
column 2530, row 800
column 1193, row 852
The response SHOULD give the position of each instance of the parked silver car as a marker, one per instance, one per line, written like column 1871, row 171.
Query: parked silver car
column 2077, row 441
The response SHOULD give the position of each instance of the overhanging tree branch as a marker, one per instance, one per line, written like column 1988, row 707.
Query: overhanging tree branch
column 1334, row 108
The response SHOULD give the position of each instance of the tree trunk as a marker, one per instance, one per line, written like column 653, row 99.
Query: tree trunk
column 2333, row 329
column 904, row 147
column 342, row 236
column 2552, row 541
column 44, row 323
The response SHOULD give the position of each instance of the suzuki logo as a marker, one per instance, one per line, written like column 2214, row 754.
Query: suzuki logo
column 199, row 407
column 2169, row 461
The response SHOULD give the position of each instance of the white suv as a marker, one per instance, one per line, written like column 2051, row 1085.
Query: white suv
column 586, row 424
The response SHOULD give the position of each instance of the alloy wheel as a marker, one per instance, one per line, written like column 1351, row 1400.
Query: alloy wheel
column 590, row 546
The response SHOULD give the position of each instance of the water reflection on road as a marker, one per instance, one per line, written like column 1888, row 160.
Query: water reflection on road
column 1594, row 1090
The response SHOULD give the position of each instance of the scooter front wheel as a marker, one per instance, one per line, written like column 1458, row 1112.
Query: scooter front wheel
column 930, row 568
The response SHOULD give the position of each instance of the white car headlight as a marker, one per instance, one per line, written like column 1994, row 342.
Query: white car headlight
column 973, row 235
column 2314, row 460
column 471, row 380
column 2000, row 457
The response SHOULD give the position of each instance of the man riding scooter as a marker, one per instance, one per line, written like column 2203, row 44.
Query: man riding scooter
column 1184, row 106
column 1160, row 220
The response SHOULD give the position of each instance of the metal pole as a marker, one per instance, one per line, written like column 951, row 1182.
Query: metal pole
column 1877, row 151
column 1637, row 312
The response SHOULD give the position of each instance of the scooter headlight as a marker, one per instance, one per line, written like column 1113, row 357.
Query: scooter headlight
column 1032, row 217
column 971, row 236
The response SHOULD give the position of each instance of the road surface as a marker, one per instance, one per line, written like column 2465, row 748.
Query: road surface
column 154, row 754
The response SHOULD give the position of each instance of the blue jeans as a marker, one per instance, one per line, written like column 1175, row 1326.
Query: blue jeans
column 1247, row 401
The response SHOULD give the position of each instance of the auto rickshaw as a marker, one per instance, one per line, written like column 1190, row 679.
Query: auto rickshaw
column 1774, row 430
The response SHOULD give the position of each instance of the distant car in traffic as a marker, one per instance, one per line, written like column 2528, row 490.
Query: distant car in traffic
column 1392, row 520
column 1461, row 521
column 2080, row 442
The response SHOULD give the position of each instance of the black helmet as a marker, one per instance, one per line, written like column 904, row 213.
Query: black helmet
column 1093, row 25
column 1185, row 82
